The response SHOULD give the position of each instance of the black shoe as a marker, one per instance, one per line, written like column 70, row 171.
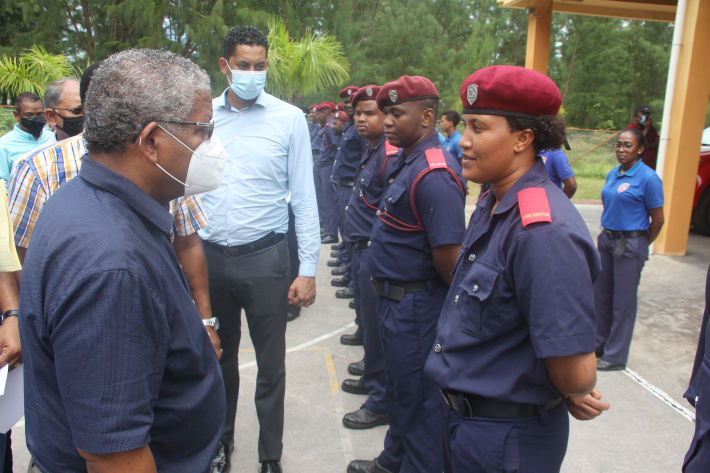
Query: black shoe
column 328, row 240
column 363, row 418
column 292, row 313
column 351, row 304
column 606, row 366
column 351, row 339
column 366, row 466
column 221, row 462
column 357, row 368
column 323, row 233
column 270, row 467
column 335, row 254
column 346, row 293
column 337, row 247
column 340, row 282
column 354, row 386
column 339, row 271
column 334, row 263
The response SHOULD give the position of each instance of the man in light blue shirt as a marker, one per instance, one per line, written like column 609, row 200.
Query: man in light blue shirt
column 28, row 133
column 269, row 155
column 448, row 123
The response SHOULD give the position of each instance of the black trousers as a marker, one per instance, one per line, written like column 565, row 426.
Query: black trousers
column 257, row 282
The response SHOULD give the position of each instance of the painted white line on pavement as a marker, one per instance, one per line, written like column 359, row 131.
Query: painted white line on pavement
column 660, row 394
column 308, row 343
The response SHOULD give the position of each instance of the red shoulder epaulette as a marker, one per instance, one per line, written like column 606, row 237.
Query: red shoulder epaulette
column 534, row 206
column 390, row 149
column 436, row 160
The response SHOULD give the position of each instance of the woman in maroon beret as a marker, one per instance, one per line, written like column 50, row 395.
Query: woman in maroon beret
column 517, row 332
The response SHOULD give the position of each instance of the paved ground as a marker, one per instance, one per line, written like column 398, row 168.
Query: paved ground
column 641, row 432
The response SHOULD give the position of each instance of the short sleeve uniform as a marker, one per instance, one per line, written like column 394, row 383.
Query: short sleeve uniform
column 557, row 166
column 407, row 255
column 520, row 294
column 627, row 198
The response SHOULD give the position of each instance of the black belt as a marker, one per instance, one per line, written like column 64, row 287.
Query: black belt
column 479, row 406
column 362, row 245
column 326, row 164
column 346, row 182
column 262, row 243
column 397, row 289
column 617, row 235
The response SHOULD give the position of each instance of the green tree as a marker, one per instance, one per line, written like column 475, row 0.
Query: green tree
column 297, row 68
column 31, row 72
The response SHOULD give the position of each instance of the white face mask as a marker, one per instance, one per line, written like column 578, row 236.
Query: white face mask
column 206, row 166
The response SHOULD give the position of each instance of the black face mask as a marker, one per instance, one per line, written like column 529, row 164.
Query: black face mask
column 72, row 125
column 33, row 125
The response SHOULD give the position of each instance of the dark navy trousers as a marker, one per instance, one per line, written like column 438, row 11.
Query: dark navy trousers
column 343, row 196
column 332, row 214
column 319, row 194
column 414, row 441
column 535, row 444
column 616, row 296
column 374, row 376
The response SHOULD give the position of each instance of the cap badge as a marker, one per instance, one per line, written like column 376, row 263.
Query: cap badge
column 393, row 95
column 368, row 91
column 350, row 91
column 471, row 93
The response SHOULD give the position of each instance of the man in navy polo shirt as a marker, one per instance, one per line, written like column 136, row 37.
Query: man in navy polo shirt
column 120, row 374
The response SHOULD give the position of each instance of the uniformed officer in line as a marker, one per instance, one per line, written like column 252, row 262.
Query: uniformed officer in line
column 314, row 127
column 326, row 158
column 360, row 216
column 415, row 241
column 517, row 333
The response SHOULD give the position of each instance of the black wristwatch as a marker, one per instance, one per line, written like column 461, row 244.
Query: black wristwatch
column 9, row 313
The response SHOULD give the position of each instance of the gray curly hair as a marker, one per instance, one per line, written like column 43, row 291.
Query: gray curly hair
column 133, row 88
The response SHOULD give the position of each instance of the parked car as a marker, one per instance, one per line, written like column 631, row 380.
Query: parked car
column 701, row 200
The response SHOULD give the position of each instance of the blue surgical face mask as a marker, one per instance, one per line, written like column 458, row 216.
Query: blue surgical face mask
column 247, row 84
column 643, row 119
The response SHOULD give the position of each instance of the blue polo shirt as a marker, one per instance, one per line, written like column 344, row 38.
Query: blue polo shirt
column 16, row 143
column 627, row 198
column 557, row 165
column 451, row 144
column 115, row 354
column 361, row 211
column 513, row 302
column 349, row 151
column 401, row 255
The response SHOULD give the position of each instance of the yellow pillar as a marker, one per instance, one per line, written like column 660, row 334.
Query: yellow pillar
column 691, row 93
column 537, row 53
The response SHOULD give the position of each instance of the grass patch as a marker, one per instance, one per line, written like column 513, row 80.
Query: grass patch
column 7, row 121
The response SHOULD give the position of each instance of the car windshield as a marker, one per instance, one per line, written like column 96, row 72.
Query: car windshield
column 706, row 136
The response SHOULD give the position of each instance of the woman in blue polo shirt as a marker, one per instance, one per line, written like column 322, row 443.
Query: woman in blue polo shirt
column 632, row 219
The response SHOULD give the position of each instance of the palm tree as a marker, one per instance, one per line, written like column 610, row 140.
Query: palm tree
column 301, row 67
column 32, row 71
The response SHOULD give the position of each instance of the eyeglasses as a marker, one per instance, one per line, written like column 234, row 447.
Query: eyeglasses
column 627, row 145
column 210, row 125
column 78, row 110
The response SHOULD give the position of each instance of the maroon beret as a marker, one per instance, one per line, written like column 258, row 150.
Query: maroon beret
column 369, row 92
column 348, row 91
column 339, row 108
column 326, row 106
column 342, row 116
column 405, row 89
column 510, row 91
column 313, row 107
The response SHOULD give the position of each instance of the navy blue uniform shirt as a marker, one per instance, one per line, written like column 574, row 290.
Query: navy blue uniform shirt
column 349, row 153
column 398, row 255
column 316, row 133
column 115, row 354
column 361, row 212
column 329, row 145
column 519, row 295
